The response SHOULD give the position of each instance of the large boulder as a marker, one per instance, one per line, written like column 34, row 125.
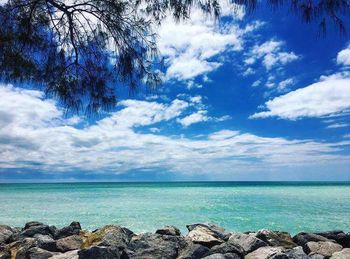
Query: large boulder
column 68, row 255
column 249, row 242
column 324, row 248
column 110, row 235
column 297, row 253
column 38, row 253
column 190, row 250
column 69, row 243
column 73, row 229
column 227, row 248
column 169, row 230
column 343, row 254
column 222, row 256
column 5, row 233
column 207, row 235
column 303, row 237
column 33, row 230
column 267, row 252
column 45, row 242
column 153, row 246
column 339, row 236
column 20, row 248
column 276, row 238
column 99, row 252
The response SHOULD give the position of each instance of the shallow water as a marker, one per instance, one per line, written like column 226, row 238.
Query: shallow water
column 143, row 207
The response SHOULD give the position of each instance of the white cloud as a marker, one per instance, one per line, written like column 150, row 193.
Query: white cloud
column 256, row 83
column 338, row 125
column 343, row 57
column 193, row 118
column 34, row 135
column 331, row 95
column 283, row 85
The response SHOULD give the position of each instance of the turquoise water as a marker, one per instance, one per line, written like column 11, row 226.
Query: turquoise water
column 145, row 206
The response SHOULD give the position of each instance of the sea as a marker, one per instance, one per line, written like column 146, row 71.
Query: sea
column 146, row 206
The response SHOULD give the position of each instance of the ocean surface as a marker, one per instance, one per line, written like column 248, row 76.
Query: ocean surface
column 237, row 206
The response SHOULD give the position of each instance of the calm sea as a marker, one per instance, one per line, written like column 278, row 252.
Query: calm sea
column 237, row 206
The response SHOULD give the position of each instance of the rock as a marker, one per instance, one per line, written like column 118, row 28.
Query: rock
column 339, row 236
column 227, row 248
column 222, row 256
column 32, row 224
column 38, row 253
column 69, row 243
column 73, row 229
column 5, row 233
column 343, row 254
column 189, row 250
column 33, row 230
column 276, row 238
column 297, row 253
column 169, row 230
column 19, row 248
column 68, row 255
column 5, row 252
column 267, row 252
column 153, row 246
column 201, row 234
column 218, row 231
column 45, row 242
column 249, row 242
column 110, row 235
column 99, row 252
column 317, row 256
column 324, row 248
column 302, row 238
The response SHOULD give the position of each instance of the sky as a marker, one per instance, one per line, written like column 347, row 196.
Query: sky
column 252, row 97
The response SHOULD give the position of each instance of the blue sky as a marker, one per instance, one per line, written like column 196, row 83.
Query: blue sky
column 253, row 97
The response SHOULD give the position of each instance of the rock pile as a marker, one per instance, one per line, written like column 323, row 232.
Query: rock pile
column 39, row 241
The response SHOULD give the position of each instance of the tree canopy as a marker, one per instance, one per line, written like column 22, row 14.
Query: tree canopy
column 81, row 50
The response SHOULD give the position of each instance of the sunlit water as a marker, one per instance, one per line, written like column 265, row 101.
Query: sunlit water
column 145, row 206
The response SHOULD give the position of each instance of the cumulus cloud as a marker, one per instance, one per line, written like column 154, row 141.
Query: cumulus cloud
column 343, row 57
column 331, row 95
column 193, row 118
column 35, row 135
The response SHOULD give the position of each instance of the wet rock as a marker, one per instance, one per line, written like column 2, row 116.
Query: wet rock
column 99, row 252
column 189, row 250
column 69, row 243
column 73, row 229
column 205, row 235
column 276, row 238
column 227, row 248
column 153, row 246
column 302, row 238
column 322, row 248
column 343, row 254
column 169, row 230
column 5, row 233
column 68, row 255
column 223, row 256
column 218, row 231
column 110, row 235
column 249, row 242
column 267, row 252
column 39, row 253
column 337, row 235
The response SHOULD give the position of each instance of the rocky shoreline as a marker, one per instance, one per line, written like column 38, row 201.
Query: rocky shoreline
column 39, row 241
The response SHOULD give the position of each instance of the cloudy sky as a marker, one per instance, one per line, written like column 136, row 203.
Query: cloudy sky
column 252, row 97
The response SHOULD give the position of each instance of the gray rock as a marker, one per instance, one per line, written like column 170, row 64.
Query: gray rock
column 297, row 253
column 45, row 242
column 36, row 229
column 343, row 254
column 189, row 250
column 339, row 236
column 169, row 230
column 322, row 248
column 223, row 256
column 302, row 238
column 276, row 238
column 32, row 224
column 69, row 243
column 318, row 256
column 38, row 253
column 218, row 231
column 153, row 246
column 68, row 255
column 73, row 229
column 99, row 252
column 249, row 242
column 5, row 233
column 227, row 248
column 21, row 247
column 204, row 235
column 5, row 252
column 267, row 252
